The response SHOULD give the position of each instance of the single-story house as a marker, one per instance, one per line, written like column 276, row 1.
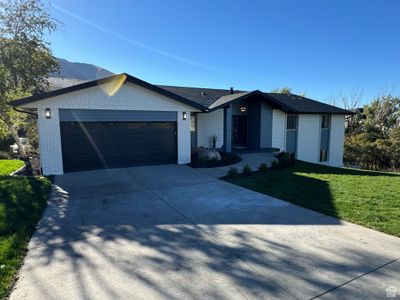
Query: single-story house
column 123, row 121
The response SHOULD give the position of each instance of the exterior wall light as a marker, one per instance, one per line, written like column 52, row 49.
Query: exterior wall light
column 184, row 115
column 48, row 113
column 243, row 109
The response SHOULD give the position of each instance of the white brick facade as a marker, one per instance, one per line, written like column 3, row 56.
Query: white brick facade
column 308, row 142
column 336, row 145
column 136, row 98
column 278, row 129
column 210, row 124
column 129, row 97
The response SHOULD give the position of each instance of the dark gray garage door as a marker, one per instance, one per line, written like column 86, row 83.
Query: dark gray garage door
column 99, row 145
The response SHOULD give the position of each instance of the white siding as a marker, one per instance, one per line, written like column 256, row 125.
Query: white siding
column 129, row 97
column 50, row 142
column 209, row 124
column 278, row 129
column 336, row 145
column 308, row 144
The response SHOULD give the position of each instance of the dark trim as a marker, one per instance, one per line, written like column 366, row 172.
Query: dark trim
column 88, row 84
column 256, row 93
column 25, row 112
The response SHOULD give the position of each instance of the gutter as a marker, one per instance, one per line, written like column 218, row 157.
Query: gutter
column 24, row 111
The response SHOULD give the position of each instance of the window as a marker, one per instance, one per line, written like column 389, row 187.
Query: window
column 325, row 138
column 323, row 155
column 291, row 122
column 326, row 121
column 193, row 123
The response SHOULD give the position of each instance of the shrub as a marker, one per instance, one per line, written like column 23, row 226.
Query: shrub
column 232, row 172
column 275, row 164
column 263, row 168
column 246, row 170
column 4, row 155
column 285, row 159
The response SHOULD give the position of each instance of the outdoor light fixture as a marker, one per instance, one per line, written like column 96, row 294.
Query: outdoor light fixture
column 184, row 115
column 243, row 109
column 47, row 113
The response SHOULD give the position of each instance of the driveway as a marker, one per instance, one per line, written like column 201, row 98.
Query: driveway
column 168, row 232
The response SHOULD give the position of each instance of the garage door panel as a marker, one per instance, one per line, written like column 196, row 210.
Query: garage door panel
column 95, row 145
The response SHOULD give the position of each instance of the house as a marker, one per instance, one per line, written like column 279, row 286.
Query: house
column 123, row 121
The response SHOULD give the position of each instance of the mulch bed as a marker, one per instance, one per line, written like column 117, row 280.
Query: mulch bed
column 226, row 160
column 32, row 167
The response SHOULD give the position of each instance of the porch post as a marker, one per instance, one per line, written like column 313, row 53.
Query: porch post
column 228, row 128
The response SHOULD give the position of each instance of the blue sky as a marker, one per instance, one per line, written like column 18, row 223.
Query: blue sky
column 320, row 47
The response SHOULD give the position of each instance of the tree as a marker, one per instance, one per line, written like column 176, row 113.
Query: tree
column 350, row 101
column 25, row 57
column 286, row 90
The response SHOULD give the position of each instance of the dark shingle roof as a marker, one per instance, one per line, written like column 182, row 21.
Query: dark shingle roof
column 202, row 98
column 56, row 83
column 294, row 103
column 306, row 105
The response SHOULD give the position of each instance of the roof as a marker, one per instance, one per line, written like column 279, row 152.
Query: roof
column 56, row 83
column 201, row 98
column 300, row 104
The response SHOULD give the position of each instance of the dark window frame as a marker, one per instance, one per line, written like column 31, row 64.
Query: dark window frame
column 326, row 121
column 292, row 120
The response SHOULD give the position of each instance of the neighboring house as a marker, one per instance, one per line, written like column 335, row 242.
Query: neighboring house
column 123, row 121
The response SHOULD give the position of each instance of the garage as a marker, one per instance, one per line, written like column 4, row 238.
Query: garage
column 93, row 139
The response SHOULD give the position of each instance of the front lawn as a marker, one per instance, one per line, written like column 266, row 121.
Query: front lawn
column 367, row 198
column 22, row 201
column 8, row 166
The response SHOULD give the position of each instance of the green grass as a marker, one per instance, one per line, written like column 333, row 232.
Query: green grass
column 9, row 165
column 371, row 199
column 22, row 201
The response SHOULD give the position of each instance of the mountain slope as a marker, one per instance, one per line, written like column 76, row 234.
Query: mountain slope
column 80, row 71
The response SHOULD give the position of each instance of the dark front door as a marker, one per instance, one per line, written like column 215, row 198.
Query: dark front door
column 239, row 130
column 99, row 145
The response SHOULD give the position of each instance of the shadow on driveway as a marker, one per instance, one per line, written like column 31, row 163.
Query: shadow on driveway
column 169, row 232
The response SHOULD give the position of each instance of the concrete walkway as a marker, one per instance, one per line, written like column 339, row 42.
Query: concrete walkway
column 169, row 232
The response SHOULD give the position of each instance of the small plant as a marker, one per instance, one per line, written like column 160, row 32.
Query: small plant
column 275, row 164
column 4, row 155
column 263, row 168
column 285, row 159
column 246, row 171
column 232, row 172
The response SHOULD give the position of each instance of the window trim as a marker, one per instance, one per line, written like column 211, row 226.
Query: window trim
column 296, row 121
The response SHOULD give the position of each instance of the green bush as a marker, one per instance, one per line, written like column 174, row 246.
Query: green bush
column 4, row 155
column 275, row 164
column 263, row 168
column 232, row 173
column 285, row 159
column 246, row 170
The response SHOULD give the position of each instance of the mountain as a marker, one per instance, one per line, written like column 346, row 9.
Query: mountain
column 80, row 71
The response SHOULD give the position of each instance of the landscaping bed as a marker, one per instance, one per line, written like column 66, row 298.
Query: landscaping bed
column 23, row 200
column 368, row 198
column 226, row 160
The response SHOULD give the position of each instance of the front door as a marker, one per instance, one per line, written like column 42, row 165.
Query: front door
column 239, row 130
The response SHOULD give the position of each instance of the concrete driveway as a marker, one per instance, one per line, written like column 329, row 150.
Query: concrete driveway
column 167, row 232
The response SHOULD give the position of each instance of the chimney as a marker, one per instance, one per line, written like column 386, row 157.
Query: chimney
column 231, row 90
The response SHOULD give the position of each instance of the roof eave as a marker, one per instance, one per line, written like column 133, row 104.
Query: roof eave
column 134, row 80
